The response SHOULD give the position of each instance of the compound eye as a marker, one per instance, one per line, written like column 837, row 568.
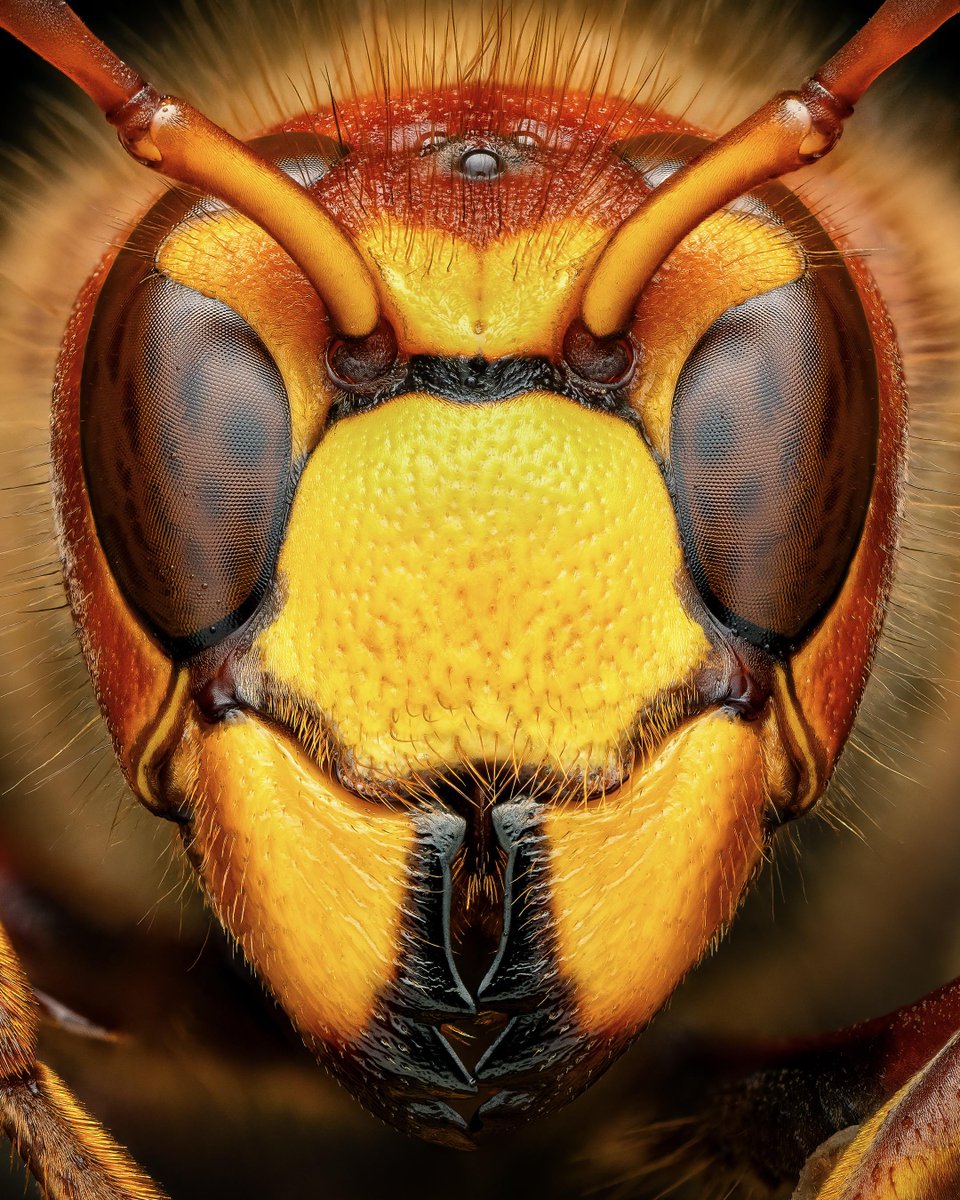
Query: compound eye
column 186, row 445
column 185, row 430
column 773, row 447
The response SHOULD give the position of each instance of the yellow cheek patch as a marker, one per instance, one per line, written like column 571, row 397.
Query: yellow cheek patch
column 309, row 879
column 642, row 880
column 445, row 295
column 228, row 258
column 726, row 260
column 490, row 581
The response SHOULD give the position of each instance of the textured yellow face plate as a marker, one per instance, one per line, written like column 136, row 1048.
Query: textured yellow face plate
column 480, row 581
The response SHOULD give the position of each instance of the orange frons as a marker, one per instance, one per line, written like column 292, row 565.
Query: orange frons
column 724, row 171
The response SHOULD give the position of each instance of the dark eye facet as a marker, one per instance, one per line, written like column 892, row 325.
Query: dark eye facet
column 773, row 447
column 305, row 157
column 774, row 428
column 186, row 441
column 186, row 430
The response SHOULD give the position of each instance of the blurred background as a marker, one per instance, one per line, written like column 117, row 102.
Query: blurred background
column 200, row 1076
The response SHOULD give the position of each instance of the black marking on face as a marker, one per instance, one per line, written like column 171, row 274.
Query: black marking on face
column 514, row 982
column 429, row 987
column 544, row 1056
column 479, row 380
column 405, row 1067
column 402, row 1066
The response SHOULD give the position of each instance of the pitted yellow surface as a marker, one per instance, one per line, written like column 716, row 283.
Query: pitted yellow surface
column 446, row 295
column 642, row 880
column 467, row 581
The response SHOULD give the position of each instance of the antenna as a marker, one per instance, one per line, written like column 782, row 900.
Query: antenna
column 789, row 131
column 170, row 136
